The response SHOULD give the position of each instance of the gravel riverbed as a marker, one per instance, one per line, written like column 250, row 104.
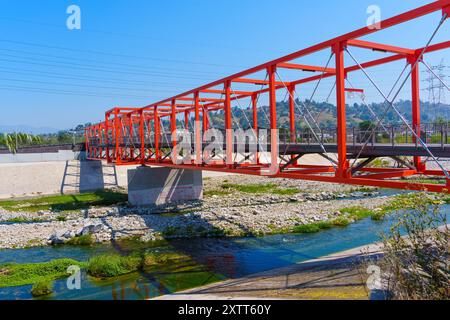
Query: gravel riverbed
column 230, row 213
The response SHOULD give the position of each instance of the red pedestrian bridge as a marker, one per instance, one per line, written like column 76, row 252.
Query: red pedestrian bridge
column 150, row 135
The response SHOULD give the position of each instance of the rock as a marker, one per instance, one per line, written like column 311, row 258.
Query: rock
column 92, row 229
column 59, row 237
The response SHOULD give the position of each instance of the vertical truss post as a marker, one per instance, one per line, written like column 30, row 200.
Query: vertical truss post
column 173, row 126
column 142, row 135
column 100, row 128
column 415, row 89
column 228, row 125
column 131, row 135
column 86, row 142
column 107, row 142
column 274, row 151
column 186, row 119
column 197, row 134
column 255, row 124
column 117, row 130
column 292, row 128
column 205, row 119
column 343, row 164
column 157, row 133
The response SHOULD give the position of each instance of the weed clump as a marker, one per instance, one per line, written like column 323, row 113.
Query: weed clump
column 113, row 265
column 12, row 275
column 83, row 240
column 43, row 288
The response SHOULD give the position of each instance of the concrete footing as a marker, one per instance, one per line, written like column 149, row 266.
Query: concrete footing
column 157, row 186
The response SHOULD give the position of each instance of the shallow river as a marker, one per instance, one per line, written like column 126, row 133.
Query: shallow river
column 218, row 258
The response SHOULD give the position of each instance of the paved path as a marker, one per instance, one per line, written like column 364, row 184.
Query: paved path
column 330, row 277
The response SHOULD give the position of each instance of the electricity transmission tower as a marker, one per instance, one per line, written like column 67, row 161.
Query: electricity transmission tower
column 436, row 89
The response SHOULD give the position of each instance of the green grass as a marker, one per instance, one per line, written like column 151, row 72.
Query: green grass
column 357, row 213
column 63, row 203
column 313, row 227
column 427, row 181
column 112, row 265
column 61, row 218
column 12, row 275
column 42, row 288
column 83, row 240
column 259, row 189
column 286, row 192
column 24, row 220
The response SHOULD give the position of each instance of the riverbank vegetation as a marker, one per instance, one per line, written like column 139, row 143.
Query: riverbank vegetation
column 12, row 275
column 269, row 188
column 113, row 265
column 415, row 265
column 64, row 203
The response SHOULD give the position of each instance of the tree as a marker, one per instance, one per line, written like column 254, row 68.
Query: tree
column 15, row 140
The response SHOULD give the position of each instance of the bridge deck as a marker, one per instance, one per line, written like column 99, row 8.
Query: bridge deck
column 371, row 150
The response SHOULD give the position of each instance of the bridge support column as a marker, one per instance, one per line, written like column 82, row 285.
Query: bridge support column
column 415, row 83
column 158, row 186
column 343, row 164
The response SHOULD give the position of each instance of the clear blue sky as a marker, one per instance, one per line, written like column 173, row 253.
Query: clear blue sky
column 133, row 53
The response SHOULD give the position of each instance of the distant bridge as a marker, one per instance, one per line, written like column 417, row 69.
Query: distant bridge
column 131, row 136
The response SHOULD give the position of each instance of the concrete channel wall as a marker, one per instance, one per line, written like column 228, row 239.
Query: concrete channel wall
column 25, row 175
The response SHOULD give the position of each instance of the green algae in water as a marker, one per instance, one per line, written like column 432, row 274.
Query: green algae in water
column 12, row 275
column 113, row 265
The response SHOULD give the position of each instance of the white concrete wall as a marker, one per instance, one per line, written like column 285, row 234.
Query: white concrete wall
column 61, row 155
column 35, row 178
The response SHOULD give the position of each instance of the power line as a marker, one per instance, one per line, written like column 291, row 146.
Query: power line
column 58, row 64
column 127, row 35
column 116, row 54
column 65, row 92
column 84, row 86
column 71, row 59
column 40, row 73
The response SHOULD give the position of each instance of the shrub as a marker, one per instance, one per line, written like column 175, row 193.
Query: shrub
column 43, row 288
column 83, row 240
column 110, row 265
column 415, row 266
column 341, row 222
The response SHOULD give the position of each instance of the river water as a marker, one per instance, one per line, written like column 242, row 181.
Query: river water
column 216, row 259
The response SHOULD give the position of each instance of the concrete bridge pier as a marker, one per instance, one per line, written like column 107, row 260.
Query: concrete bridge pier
column 158, row 186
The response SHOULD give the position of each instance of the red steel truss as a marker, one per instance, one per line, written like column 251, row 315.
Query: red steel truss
column 133, row 136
